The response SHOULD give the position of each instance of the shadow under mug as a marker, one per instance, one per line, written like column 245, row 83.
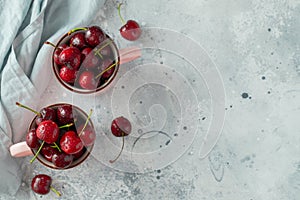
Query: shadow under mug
column 21, row 149
column 118, row 57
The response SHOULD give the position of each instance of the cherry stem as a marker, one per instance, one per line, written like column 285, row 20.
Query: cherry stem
column 37, row 153
column 66, row 125
column 86, row 122
column 111, row 66
column 119, row 12
column 54, row 190
column 76, row 29
column 23, row 106
column 50, row 43
column 123, row 142
column 97, row 52
column 56, row 146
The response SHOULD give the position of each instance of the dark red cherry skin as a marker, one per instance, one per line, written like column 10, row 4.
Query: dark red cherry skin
column 68, row 74
column 46, row 114
column 87, row 80
column 41, row 183
column 131, row 30
column 71, row 57
column 78, row 40
column 47, row 131
column 70, row 143
column 57, row 52
column 106, row 51
column 120, row 127
column 65, row 114
column 94, row 36
column 88, row 135
column 62, row 160
column 48, row 151
column 32, row 140
column 79, row 154
column 105, row 64
column 85, row 52
column 91, row 61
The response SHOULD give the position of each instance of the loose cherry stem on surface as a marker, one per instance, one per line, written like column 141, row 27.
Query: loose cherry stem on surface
column 56, row 192
column 86, row 122
column 23, row 106
column 76, row 29
column 37, row 153
column 123, row 142
column 119, row 12
column 111, row 66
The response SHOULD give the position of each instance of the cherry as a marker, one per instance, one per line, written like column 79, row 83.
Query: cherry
column 70, row 143
column 71, row 57
column 85, row 52
column 131, row 29
column 48, row 151
column 79, row 154
column 104, row 68
column 57, row 51
column 68, row 74
column 62, row 160
column 86, row 133
column 41, row 184
column 78, row 40
column 91, row 61
column 87, row 80
column 32, row 140
column 47, row 131
column 94, row 36
column 46, row 114
column 65, row 114
column 120, row 127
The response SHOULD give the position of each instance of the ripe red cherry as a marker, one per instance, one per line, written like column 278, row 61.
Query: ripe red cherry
column 47, row 131
column 91, row 61
column 78, row 40
column 65, row 114
column 94, row 36
column 70, row 143
column 57, row 52
column 87, row 135
column 32, row 140
column 48, row 151
column 120, row 127
column 71, row 57
column 46, row 114
column 62, row 160
column 87, row 80
column 68, row 74
column 131, row 29
column 85, row 52
column 105, row 64
column 41, row 184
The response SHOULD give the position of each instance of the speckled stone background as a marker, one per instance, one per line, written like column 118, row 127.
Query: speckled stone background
column 256, row 46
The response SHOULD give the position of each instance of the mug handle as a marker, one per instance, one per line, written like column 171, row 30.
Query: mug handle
column 129, row 54
column 20, row 149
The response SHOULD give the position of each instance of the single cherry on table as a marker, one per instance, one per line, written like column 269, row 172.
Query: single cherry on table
column 131, row 29
column 41, row 184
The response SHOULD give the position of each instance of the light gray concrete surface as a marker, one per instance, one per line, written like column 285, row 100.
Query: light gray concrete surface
column 255, row 46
